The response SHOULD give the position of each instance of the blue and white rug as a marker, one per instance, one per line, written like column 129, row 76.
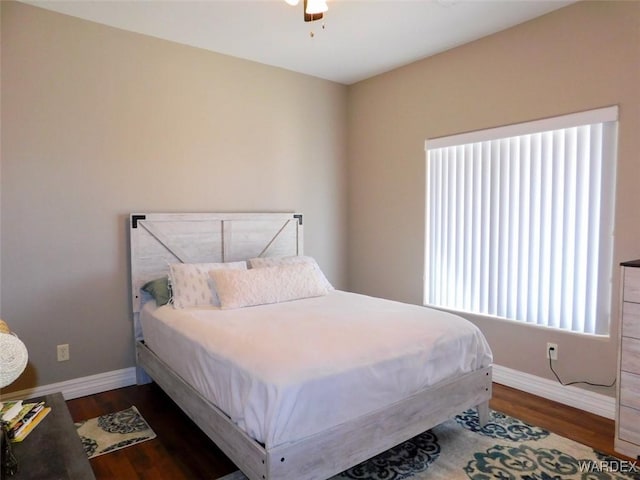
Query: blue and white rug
column 504, row 449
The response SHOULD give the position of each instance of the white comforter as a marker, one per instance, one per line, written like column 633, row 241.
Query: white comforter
column 288, row 370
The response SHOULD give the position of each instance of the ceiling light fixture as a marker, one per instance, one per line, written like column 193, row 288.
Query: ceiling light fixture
column 313, row 9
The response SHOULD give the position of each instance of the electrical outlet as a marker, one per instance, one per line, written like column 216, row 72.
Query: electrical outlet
column 552, row 351
column 63, row 352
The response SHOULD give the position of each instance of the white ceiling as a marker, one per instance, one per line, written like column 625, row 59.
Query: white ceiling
column 361, row 38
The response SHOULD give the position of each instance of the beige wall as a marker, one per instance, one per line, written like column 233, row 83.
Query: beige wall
column 583, row 56
column 97, row 123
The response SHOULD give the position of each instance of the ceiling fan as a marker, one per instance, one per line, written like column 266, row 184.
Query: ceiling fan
column 313, row 9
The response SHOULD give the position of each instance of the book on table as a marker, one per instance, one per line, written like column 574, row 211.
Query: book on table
column 28, row 417
column 9, row 410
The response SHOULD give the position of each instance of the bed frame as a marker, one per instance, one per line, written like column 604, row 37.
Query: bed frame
column 160, row 239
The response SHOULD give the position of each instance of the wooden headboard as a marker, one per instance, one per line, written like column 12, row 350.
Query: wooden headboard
column 158, row 239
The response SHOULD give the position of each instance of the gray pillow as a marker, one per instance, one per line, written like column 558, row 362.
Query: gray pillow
column 159, row 289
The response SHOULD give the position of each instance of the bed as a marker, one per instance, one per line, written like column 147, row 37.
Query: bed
column 293, row 389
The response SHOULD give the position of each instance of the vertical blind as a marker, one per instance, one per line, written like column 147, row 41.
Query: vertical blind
column 520, row 221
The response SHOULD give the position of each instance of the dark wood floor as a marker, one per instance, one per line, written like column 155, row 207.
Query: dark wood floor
column 182, row 451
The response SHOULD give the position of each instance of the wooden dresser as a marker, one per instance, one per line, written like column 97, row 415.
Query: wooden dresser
column 627, row 439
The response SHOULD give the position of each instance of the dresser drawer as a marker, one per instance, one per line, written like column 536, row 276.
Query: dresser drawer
column 629, row 427
column 631, row 285
column 630, row 390
column 631, row 319
column 630, row 358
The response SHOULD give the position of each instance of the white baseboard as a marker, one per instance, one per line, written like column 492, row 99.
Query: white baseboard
column 586, row 400
column 80, row 387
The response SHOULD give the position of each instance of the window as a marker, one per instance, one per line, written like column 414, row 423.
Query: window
column 520, row 221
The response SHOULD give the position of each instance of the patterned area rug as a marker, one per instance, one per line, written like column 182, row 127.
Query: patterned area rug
column 504, row 449
column 113, row 431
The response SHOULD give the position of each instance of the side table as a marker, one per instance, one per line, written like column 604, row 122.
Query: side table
column 53, row 449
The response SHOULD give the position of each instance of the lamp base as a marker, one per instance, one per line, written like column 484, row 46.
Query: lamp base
column 8, row 463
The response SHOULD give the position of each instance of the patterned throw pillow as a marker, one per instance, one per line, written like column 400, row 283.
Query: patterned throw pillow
column 261, row 286
column 191, row 285
column 262, row 262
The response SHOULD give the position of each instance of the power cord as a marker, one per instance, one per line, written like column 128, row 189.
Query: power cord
column 576, row 382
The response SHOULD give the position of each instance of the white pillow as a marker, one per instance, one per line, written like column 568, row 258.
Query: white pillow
column 191, row 285
column 259, row 286
column 262, row 262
